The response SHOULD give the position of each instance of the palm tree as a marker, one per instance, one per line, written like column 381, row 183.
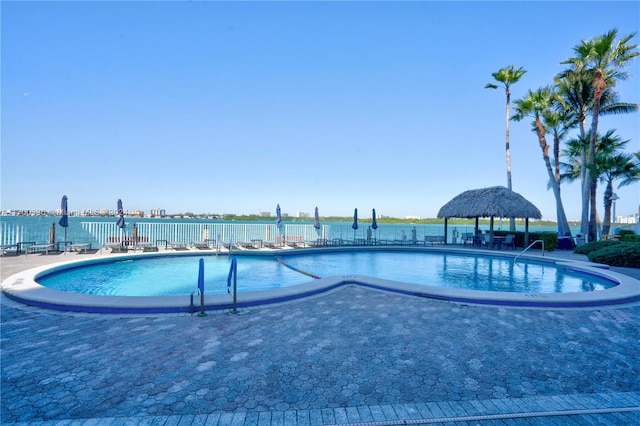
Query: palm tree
column 558, row 123
column 574, row 91
column 604, row 58
column 615, row 165
column 611, row 164
column 575, row 99
column 538, row 104
column 506, row 77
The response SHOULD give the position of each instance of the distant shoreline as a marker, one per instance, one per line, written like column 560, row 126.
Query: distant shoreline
column 332, row 219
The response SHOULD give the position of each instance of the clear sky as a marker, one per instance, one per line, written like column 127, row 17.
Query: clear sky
column 234, row 107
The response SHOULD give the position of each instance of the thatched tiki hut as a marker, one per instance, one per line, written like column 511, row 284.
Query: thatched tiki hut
column 496, row 201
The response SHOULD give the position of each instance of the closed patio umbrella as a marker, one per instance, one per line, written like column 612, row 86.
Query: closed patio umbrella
column 355, row 223
column 279, row 220
column 316, row 223
column 120, row 222
column 374, row 223
column 64, row 220
column 278, row 217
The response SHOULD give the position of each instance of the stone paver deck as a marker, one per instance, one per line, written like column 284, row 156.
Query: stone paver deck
column 352, row 356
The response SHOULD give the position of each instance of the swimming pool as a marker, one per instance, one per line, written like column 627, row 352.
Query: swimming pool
column 162, row 276
column 531, row 282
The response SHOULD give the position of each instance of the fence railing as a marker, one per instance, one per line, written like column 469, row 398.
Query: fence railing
column 98, row 233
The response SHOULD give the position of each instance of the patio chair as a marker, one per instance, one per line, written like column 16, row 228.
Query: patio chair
column 178, row 245
column 201, row 245
column 8, row 248
column 80, row 247
column 38, row 248
column 115, row 247
column 510, row 241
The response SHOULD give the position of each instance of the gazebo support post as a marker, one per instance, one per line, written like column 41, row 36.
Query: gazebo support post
column 445, row 229
column 491, row 233
column 476, row 230
column 526, row 232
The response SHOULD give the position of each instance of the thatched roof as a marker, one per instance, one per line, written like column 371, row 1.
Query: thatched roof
column 496, row 201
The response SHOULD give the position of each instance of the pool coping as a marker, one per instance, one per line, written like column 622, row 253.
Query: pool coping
column 23, row 288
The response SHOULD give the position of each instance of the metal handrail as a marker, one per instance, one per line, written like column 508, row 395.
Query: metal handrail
column 233, row 273
column 530, row 245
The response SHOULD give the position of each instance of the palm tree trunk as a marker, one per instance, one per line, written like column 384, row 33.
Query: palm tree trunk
column 593, row 211
column 556, row 156
column 563, row 223
column 512, row 221
column 584, row 217
column 598, row 87
column 606, row 222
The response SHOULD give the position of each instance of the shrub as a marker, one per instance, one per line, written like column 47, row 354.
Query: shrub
column 550, row 239
column 624, row 232
column 595, row 246
column 630, row 238
column 620, row 254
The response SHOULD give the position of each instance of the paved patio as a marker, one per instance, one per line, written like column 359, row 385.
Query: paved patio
column 353, row 356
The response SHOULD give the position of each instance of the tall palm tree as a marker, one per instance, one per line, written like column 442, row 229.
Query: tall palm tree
column 605, row 58
column 506, row 77
column 619, row 167
column 558, row 123
column 575, row 97
column 614, row 165
column 611, row 164
column 537, row 104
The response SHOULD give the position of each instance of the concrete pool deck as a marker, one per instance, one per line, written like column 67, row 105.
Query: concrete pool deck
column 351, row 356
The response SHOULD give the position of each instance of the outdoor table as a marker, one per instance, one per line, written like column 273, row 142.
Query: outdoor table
column 498, row 240
column 166, row 243
column 257, row 243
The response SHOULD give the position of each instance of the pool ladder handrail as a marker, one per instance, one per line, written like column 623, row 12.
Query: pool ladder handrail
column 233, row 273
column 530, row 245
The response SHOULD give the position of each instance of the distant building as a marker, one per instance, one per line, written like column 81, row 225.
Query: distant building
column 302, row 214
column 265, row 214
column 158, row 213
column 137, row 213
column 413, row 217
column 627, row 220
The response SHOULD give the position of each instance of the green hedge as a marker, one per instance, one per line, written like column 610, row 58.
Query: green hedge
column 626, row 254
column 595, row 246
column 550, row 239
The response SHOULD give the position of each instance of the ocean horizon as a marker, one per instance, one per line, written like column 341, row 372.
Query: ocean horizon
column 98, row 230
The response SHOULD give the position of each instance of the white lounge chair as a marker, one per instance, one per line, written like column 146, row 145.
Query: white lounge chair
column 34, row 248
column 5, row 248
column 78, row 246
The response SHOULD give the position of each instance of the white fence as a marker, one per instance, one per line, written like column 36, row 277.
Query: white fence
column 99, row 233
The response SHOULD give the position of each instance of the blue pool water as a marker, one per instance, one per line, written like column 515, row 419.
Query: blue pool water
column 177, row 275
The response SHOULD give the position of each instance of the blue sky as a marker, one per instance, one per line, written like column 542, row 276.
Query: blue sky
column 233, row 107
